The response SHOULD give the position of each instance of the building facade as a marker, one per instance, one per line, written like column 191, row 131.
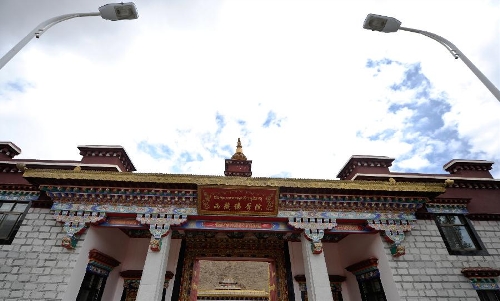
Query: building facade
column 95, row 229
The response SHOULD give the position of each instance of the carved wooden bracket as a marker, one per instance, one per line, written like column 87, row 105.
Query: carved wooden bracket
column 75, row 223
column 394, row 233
column 314, row 230
column 159, row 226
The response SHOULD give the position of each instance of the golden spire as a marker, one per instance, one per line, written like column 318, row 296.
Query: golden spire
column 239, row 152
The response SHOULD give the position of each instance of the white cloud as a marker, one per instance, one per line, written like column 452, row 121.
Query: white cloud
column 164, row 78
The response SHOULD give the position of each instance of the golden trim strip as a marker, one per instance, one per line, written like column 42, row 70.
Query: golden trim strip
column 233, row 181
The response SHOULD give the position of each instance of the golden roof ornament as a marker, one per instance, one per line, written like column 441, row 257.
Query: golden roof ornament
column 21, row 166
column 239, row 152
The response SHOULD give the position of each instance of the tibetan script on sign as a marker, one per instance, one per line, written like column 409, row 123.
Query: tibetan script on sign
column 237, row 200
column 237, row 225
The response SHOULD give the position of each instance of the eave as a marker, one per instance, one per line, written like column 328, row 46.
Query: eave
column 120, row 179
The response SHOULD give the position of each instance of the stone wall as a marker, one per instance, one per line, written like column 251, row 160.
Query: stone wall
column 428, row 272
column 35, row 266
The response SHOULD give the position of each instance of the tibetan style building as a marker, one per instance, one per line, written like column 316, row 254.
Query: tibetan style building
column 95, row 229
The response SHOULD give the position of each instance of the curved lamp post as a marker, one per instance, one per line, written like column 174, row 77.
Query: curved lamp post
column 112, row 11
column 388, row 24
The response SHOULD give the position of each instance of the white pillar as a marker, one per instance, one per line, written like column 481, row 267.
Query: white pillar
column 153, row 273
column 295, row 251
column 317, row 281
column 173, row 258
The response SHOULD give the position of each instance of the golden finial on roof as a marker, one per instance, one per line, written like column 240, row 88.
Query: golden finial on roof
column 21, row 166
column 239, row 152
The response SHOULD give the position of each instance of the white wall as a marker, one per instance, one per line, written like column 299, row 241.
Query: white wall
column 336, row 265
column 35, row 266
column 137, row 249
column 132, row 254
column 352, row 249
column 135, row 255
column 358, row 247
column 428, row 272
column 110, row 241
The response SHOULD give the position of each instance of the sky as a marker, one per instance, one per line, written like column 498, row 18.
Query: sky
column 301, row 83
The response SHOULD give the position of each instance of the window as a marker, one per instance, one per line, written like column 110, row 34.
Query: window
column 132, row 280
column 337, row 296
column 335, row 286
column 459, row 235
column 371, row 290
column 98, row 269
column 489, row 295
column 368, row 276
column 11, row 215
column 92, row 287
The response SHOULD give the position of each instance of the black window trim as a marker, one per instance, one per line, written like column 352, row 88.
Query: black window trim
column 481, row 249
column 366, row 289
column 15, row 228
column 96, row 291
column 367, row 273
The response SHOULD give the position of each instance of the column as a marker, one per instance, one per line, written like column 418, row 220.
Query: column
column 317, row 281
column 153, row 273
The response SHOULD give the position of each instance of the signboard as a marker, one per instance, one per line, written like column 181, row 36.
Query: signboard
column 237, row 200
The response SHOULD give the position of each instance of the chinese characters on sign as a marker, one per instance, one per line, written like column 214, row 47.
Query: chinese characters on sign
column 237, row 200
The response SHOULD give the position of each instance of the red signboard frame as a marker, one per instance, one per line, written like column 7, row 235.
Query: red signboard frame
column 238, row 200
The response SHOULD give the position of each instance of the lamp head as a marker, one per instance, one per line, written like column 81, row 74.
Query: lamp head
column 119, row 11
column 381, row 23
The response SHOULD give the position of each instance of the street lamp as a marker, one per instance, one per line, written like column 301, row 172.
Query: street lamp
column 388, row 24
column 112, row 12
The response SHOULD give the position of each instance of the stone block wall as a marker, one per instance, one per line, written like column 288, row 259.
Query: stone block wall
column 35, row 266
column 427, row 271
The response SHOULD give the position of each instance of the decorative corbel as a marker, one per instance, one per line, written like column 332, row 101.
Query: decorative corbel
column 75, row 223
column 393, row 231
column 314, row 230
column 157, row 232
column 315, row 236
column 159, row 226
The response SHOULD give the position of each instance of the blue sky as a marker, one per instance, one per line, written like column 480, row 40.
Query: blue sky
column 300, row 82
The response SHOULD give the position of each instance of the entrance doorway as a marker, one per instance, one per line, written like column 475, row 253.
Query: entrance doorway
column 234, row 278
column 229, row 253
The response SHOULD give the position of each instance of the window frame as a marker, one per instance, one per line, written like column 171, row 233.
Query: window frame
column 367, row 273
column 97, row 271
column 94, row 286
column 21, row 216
column 480, row 249
column 368, row 293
